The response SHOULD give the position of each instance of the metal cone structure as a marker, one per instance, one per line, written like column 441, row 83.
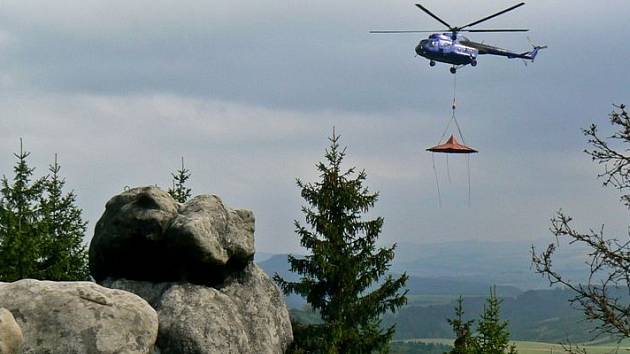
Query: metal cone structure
column 452, row 146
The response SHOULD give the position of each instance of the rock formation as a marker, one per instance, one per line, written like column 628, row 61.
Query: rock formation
column 145, row 234
column 79, row 318
column 193, row 263
column 10, row 333
column 245, row 315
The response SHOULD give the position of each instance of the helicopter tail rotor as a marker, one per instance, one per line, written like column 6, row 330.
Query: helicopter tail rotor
column 531, row 55
column 534, row 52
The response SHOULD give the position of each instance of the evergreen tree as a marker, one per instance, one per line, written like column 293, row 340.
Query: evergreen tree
column 20, row 231
column 64, row 255
column 179, row 191
column 341, row 276
column 492, row 333
column 465, row 343
column 494, row 336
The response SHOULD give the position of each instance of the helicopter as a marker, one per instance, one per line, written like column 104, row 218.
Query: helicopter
column 455, row 49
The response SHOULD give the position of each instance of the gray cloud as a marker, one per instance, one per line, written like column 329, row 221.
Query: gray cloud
column 282, row 54
column 248, row 94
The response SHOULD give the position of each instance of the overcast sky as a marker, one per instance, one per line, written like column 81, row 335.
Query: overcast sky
column 249, row 92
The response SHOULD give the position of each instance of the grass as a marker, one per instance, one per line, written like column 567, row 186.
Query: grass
column 537, row 347
column 524, row 347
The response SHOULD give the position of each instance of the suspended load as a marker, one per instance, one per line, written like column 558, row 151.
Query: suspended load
column 452, row 146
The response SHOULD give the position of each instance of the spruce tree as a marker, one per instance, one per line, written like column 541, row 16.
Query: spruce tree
column 494, row 335
column 179, row 191
column 20, row 230
column 344, row 276
column 64, row 255
column 465, row 343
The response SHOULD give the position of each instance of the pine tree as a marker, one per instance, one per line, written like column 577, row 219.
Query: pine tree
column 340, row 277
column 64, row 255
column 465, row 343
column 180, row 192
column 20, row 230
column 494, row 336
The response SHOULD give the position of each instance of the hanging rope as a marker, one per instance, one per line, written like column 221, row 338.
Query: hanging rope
column 437, row 181
column 461, row 136
column 448, row 170
column 454, row 106
column 453, row 116
column 468, row 170
column 445, row 130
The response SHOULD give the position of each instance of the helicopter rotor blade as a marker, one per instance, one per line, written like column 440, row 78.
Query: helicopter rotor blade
column 404, row 31
column 497, row 30
column 433, row 15
column 493, row 16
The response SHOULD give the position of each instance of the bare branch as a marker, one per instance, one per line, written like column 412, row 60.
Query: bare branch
column 605, row 298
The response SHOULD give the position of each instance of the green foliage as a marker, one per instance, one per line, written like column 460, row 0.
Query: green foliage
column 418, row 348
column 492, row 333
column 64, row 255
column 419, row 345
column 536, row 315
column 20, row 232
column 340, row 278
column 464, row 341
column 179, row 191
column 41, row 230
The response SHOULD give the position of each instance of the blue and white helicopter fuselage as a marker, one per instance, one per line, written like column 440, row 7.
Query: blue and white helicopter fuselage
column 442, row 48
column 459, row 50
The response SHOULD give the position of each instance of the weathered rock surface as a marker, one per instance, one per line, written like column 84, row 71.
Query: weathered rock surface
column 145, row 234
column 193, row 263
column 246, row 314
column 79, row 317
column 10, row 333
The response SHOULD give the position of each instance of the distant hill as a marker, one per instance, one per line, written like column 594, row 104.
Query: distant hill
column 466, row 267
column 492, row 262
column 428, row 290
column 278, row 264
column 441, row 272
column 262, row 256
column 455, row 287
column 535, row 315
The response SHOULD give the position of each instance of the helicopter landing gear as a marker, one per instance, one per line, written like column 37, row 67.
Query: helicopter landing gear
column 473, row 62
column 453, row 70
column 432, row 63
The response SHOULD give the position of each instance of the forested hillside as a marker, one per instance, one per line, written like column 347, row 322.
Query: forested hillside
column 534, row 315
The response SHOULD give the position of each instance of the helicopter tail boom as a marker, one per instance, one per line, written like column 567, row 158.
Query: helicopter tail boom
column 531, row 55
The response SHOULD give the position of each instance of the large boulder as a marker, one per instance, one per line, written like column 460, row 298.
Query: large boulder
column 245, row 314
column 79, row 318
column 193, row 263
column 145, row 234
column 10, row 333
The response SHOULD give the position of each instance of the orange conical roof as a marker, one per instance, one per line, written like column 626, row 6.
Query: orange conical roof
column 451, row 146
